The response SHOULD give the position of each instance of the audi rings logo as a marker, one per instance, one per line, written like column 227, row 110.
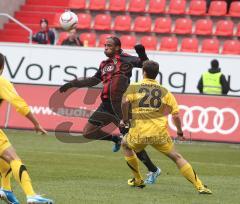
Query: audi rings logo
column 203, row 119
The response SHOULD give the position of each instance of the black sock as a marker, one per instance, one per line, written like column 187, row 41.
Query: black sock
column 113, row 138
column 146, row 161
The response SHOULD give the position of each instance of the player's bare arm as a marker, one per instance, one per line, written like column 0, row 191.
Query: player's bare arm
column 37, row 126
column 177, row 123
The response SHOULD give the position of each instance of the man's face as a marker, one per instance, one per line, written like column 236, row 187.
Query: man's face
column 44, row 25
column 72, row 34
column 110, row 48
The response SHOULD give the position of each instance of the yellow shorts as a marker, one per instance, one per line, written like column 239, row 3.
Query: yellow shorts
column 162, row 143
column 4, row 142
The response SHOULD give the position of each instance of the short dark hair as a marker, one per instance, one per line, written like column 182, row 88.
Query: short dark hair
column 151, row 68
column 215, row 64
column 44, row 20
column 2, row 59
column 116, row 40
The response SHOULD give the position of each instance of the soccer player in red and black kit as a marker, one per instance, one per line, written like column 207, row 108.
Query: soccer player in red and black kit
column 115, row 74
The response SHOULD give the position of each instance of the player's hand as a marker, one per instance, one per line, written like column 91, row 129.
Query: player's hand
column 123, row 127
column 65, row 87
column 140, row 49
column 180, row 136
column 39, row 128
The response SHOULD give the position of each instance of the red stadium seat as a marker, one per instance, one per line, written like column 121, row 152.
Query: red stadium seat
column 203, row 27
column 137, row 6
column 62, row 37
column 77, row 4
column 189, row 45
column 210, row 46
column 89, row 39
column 157, row 6
column 102, row 39
column 169, row 44
column 163, row 25
column 231, row 47
column 238, row 30
column 177, row 6
column 218, row 8
column 142, row 24
column 117, row 5
column 235, row 9
column 97, row 5
column 128, row 41
column 197, row 7
column 149, row 42
column 183, row 26
column 102, row 22
column 224, row 28
column 122, row 23
column 84, row 21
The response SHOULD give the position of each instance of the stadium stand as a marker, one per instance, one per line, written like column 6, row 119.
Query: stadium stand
column 90, row 38
column 150, row 42
column 169, row 44
column 117, row 5
column 128, row 41
column 174, row 19
column 231, row 47
column 163, row 25
column 210, row 46
column 157, row 6
column 189, row 45
column 122, row 23
column 137, row 5
column 197, row 7
column 218, row 8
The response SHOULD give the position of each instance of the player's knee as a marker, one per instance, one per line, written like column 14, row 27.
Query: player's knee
column 177, row 156
column 10, row 155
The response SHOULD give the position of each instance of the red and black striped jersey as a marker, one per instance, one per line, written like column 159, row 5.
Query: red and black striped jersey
column 115, row 74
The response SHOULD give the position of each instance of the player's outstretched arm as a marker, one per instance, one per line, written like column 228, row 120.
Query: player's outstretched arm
column 177, row 123
column 37, row 126
column 80, row 83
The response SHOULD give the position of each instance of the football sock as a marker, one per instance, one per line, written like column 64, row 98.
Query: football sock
column 144, row 158
column 132, row 162
column 21, row 175
column 6, row 173
column 188, row 172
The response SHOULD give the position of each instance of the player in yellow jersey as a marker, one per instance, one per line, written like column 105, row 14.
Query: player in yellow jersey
column 10, row 162
column 150, row 103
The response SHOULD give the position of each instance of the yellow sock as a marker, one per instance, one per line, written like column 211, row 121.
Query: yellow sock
column 21, row 175
column 188, row 172
column 6, row 173
column 132, row 162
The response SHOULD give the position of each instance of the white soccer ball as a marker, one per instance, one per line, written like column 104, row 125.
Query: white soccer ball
column 68, row 20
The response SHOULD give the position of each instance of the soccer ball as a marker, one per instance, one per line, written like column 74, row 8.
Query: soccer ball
column 68, row 20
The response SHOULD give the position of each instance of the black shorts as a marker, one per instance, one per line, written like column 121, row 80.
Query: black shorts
column 106, row 113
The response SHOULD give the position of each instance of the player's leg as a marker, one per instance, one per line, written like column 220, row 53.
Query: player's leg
column 166, row 146
column 98, row 120
column 21, row 175
column 5, row 192
column 187, row 171
column 154, row 171
column 6, row 173
column 133, row 164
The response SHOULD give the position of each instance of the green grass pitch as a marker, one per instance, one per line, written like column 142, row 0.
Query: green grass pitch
column 90, row 173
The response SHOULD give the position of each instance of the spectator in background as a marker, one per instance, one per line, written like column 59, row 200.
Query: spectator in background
column 213, row 81
column 72, row 39
column 45, row 35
